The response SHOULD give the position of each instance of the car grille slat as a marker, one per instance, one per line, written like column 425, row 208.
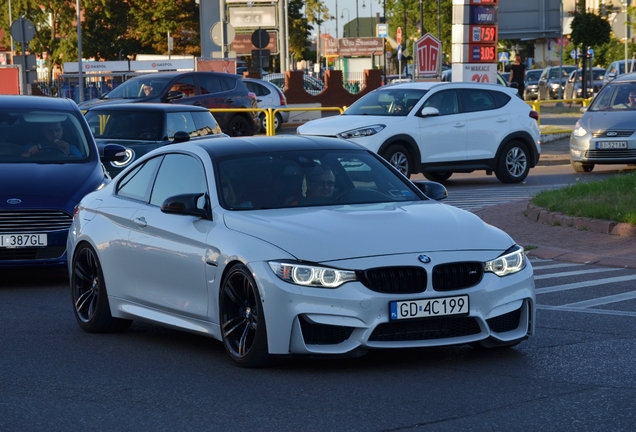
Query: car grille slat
column 323, row 334
column 34, row 221
column 505, row 322
column 428, row 329
column 394, row 280
column 619, row 134
column 456, row 276
column 18, row 254
column 610, row 154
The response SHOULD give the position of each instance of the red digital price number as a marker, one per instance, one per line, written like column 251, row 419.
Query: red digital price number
column 483, row 53
column 483, row 33
column 484, row 2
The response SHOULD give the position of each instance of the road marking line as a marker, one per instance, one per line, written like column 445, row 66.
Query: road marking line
column 553, row 266
column 575, row 273
column 572, row 286
column 585, row 310
column 603, row 300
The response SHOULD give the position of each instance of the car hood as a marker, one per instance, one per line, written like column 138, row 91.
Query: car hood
column 42, row 185
column 336, row 124
column 346, row 232
column 604, row 120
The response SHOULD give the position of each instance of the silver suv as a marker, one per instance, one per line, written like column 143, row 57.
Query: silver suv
column 605, row 134
column 438, row 128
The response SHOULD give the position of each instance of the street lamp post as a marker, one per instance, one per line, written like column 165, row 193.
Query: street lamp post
column 357, row 21
column 625, row 6
column 336, row 19
column 80, row 75
column 344, row 34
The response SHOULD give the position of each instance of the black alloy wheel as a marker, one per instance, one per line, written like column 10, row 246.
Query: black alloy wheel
column 239, row 126
column 242, row 319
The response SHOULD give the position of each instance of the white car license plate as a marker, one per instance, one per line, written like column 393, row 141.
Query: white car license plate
column 609, row 145
column 22, row 240
column 457, row 305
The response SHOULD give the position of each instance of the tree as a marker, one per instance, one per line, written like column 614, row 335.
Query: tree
column 106, row 30
column 299, row 29
column 590, row 29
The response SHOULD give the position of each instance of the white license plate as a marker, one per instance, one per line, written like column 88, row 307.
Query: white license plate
column 603, row 145
column 22, row 240
column 457, row 305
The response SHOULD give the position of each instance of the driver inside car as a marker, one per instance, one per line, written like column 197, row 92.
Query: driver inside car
column 51, row 143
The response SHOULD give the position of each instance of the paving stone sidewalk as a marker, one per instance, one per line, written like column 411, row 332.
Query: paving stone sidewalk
column 560, row 242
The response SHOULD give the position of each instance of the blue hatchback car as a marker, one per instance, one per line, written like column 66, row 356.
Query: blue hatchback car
column 48, row 162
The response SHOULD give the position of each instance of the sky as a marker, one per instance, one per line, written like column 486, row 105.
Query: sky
column 348, row 9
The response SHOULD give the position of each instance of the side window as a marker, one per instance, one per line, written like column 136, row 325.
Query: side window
column 476, row 100
column 185, row 85
column 501, row 99
column 137, row 184
column 205, row 124
column 257, row 89
column 180, row 121
column 229, row 83
column 179, row 174
column 444, row 101
column 210, row 84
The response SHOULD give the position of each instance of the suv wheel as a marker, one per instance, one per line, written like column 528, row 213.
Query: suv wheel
column 239, row 127
column 438, row 176
column 513, row 166
column 581, row 167
column 278, row 121
column 399, row 157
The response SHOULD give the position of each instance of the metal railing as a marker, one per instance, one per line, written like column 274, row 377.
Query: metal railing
column 270, row 113
column 536, row 105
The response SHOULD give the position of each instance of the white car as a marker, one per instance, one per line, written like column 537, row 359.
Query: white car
column 268, row 95
column 293, row 245
column 438, row 128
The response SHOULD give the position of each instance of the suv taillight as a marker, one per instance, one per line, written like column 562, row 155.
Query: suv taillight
column 283, row 99
column 534, row 115
column 251, row 95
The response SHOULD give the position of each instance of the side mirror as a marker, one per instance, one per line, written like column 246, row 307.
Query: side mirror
column 185, row 204
column 172, row 95
column 113, row 153
column 433, row 190
column 180, row 136
column 429, row 111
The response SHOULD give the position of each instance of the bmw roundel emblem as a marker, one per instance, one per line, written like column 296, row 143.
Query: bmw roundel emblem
column 424, row 258
column 14, row 201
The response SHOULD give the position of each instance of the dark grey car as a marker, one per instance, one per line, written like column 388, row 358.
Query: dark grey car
column 574, row 85
column 552, row 81
column 606, row 133
column 205, row 89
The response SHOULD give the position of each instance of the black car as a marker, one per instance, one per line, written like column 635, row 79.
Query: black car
column 531, row 91
column 574, row 86
column 552, row 81
column 205, row 89
column 144, row 127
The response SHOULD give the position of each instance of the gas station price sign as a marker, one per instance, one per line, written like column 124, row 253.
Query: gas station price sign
column 483, row 2
column 480, row 53
column 483, row 34
column 483, row 15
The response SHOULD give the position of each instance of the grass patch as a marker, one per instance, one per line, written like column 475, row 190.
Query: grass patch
column 611, row 199
column 569, row 110
column 550, row 129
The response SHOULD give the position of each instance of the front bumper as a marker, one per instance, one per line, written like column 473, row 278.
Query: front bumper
column 583, row 150
column 353, row 318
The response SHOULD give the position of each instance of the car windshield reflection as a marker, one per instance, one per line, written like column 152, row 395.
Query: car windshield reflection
column 303, row 178
column 389, row 102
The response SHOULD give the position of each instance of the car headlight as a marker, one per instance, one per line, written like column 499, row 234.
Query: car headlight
column 512, row 261
column 361, row 132
column 312, row 276
column 579, row 131
column 555, row 86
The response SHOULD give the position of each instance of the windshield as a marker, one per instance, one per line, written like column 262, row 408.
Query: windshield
column 614, row 96
column 562, row 72
column 386, row 102
column 597, row 74
column 533, row 74
column 309, row 178
column 28, row 136
column 130, row 125
column 134, row 88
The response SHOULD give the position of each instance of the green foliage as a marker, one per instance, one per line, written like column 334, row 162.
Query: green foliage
column 613, row 198
column 590, row 29
column 299, row 29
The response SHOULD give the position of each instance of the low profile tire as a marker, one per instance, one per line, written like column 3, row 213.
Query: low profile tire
column 513, row 165
column 581, row 167
column 239, row 127
column 399, row 157
column 90, row 300
column 242, row 319
column 438, row 176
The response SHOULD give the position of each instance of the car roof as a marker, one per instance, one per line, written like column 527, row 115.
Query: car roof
column 626, row 77
column 428, row 85
column 176, row 74
column 233, row 146
column 145, row 107
column 40, row 102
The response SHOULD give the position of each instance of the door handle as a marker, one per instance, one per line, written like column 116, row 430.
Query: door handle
column 229, row 100
column 140, row 222
column 458, row 125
